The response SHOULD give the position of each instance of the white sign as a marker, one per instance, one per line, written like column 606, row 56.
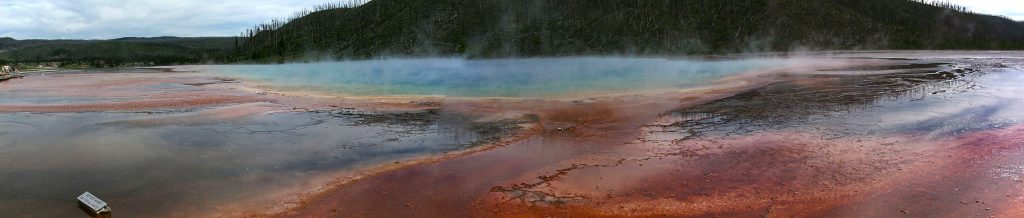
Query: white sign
column 93, row 203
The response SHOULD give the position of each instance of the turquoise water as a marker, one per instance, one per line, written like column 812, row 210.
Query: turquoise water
column 540, row 77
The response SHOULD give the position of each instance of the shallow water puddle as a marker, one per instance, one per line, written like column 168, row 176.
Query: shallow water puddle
column 203, row 163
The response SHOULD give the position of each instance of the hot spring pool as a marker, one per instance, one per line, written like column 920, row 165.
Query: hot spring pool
column 455, row 77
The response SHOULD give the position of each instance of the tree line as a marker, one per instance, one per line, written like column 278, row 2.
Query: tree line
column 264, row 33
column 496, row 28
column 501, row 28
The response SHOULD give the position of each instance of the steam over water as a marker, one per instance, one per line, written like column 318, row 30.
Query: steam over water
column 495, row 78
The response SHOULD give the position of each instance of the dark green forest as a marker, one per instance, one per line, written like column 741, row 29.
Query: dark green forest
column 116, row 52
column 532, row 28
column 498, row 28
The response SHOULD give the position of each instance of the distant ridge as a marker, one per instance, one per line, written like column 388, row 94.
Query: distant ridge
column 116, row 52
column 501, row 28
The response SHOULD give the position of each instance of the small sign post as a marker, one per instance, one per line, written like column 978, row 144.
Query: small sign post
column 93, row 203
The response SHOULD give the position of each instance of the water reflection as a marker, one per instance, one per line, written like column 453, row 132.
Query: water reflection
column 947, row 100
column 145, row 168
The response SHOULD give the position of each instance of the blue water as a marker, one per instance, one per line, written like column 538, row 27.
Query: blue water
column 542, row 77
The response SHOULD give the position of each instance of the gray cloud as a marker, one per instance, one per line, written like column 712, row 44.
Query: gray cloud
column 103, row 19
column 1013, row 9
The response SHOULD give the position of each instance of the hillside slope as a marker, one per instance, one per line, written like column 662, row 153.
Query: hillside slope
column 499, row 28
column 116, row 52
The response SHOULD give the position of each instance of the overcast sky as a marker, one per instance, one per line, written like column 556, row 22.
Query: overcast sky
column 105, row 19
column 1010, row 8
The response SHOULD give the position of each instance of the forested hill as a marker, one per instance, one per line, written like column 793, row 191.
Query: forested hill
column 117, row 52
column 503, row 28
column 532, row 28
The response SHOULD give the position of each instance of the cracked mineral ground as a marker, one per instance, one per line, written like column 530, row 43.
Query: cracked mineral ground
column 852, row 134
